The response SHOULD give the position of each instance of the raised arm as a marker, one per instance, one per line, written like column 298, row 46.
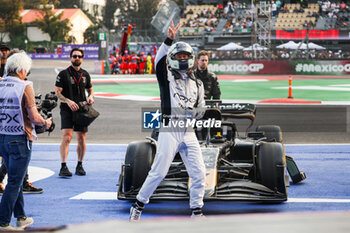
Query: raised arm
column 163, row 50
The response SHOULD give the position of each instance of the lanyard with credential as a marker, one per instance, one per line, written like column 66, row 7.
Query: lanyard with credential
column 81, row 75
column 77, row 82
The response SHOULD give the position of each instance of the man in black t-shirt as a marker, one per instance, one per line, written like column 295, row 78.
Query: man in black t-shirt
column 70, row 87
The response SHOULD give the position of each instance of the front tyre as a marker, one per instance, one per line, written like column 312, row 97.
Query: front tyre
column 138, row 161
column 271, row 166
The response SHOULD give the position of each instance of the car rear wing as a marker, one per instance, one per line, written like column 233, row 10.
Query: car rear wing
column 235, row 110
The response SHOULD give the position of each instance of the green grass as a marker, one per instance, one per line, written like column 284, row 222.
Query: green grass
column 247, row 90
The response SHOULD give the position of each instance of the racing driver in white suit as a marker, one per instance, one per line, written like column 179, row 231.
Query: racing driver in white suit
column 182, row 96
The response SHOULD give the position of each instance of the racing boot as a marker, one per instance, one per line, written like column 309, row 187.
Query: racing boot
column 197, row 213
column 135, row 211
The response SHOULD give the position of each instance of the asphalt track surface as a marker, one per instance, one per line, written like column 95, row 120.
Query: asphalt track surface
column 92, row 199
column 120, row 122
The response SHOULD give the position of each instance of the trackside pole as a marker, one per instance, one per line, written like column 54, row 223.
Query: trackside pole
column 290, row 88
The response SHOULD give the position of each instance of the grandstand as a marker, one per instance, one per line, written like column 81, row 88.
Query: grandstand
column 293, row 18
column 211, row 24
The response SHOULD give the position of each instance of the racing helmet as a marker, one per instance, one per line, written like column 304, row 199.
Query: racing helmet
column 181, row 64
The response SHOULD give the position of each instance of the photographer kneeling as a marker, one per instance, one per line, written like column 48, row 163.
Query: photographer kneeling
column 18, row 116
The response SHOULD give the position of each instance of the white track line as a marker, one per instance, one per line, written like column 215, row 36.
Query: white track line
column 90, row 195
column 319, row 88
column 317, row 200
column 249, row 80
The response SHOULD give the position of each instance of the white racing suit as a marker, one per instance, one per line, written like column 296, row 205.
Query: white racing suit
column 181, row 92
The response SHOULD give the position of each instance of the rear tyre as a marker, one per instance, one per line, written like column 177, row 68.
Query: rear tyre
column 271, row 166
column 271, row 132
column 138, row 161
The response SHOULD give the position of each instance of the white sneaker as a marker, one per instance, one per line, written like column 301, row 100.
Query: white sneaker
column 135, row 213
column 9, row 227
column 197, row 214
column 24, row 222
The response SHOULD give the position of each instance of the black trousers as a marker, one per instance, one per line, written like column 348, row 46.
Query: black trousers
column 3, row 173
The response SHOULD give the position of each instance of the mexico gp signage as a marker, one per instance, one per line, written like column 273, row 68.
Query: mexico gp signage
column 286, row 67
column 249, row 67
column 323, row 67
column 237, row 68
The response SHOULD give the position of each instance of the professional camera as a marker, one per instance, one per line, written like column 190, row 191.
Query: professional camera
column 45, row 107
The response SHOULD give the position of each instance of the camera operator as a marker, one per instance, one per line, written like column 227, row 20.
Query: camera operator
column 209, row 79
column 19, row 115
column 70, row 87
column 27, row 186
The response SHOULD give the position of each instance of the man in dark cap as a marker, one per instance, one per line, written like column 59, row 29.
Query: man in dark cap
column 4, row 50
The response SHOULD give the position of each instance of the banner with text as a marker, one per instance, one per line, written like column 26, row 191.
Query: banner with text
column 280, row 67
column 58, row 56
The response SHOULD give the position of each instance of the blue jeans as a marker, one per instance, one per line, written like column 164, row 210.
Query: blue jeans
column 16, row 151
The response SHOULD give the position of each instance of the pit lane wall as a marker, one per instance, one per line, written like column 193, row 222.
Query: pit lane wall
column 299, row 67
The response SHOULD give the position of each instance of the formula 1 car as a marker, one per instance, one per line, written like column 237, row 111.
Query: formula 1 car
column 238, row 168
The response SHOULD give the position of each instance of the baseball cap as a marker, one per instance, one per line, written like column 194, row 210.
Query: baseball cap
column 4, row 46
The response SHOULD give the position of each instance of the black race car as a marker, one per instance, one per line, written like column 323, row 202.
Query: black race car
column 238, row 168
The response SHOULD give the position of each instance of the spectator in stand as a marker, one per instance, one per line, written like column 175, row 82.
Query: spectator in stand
column 285, row 54
column 303, row 3
column 230, row 10
column 273, row 9
column 343, row 7
column 278, row 5
column 249, row 24
column 182, row 11
column 324, row 8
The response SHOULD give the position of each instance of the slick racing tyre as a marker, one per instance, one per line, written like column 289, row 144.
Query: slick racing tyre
column 271, row 132
column 138, row 161
column 271, row 166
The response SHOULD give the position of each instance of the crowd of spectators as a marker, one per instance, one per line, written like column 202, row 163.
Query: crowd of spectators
column 239, row 18
column 239, row 15
column 336, row 10
column 206, row 18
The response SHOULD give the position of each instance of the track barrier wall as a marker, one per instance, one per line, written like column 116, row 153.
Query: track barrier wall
column 299, row 67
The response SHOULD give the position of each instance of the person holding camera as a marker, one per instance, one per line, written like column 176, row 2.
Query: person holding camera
column 209, row 79
column 18, row 108
column 27, row 186
column 70, row 87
